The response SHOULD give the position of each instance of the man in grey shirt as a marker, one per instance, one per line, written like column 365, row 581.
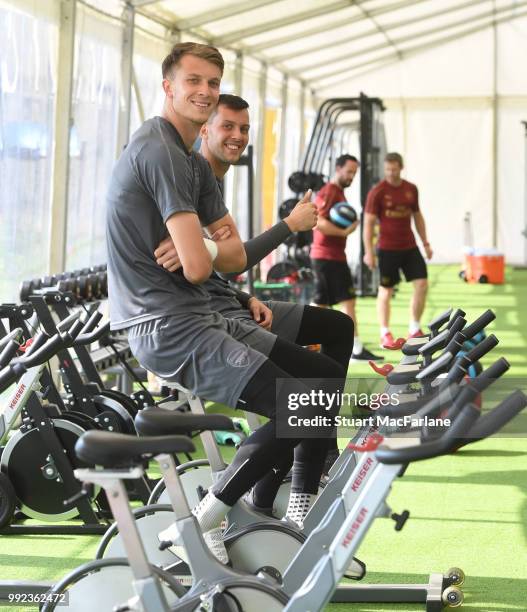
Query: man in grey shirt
column 224, row 139
column 160, row 184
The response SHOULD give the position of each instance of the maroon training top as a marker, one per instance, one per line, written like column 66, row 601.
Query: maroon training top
column 394, row 207
column 328, row 247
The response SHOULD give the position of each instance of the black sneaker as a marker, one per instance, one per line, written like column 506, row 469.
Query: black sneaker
column 365, row 355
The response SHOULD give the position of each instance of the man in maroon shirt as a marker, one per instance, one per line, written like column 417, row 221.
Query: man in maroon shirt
column 333, row 282
column 393, row 203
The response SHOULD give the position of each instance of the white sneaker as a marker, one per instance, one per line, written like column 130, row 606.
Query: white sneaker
column 213, row 539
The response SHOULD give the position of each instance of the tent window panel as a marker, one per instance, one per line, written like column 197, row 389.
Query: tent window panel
column 28, row 49
column 95, row 118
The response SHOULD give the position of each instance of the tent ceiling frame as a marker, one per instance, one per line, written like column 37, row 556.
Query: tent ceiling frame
column 222, row 13
column 380, row 29
column 140, row 3
column 389, row 26
column 321, row 80
column 253, row 50
column 392, row 57
column 420, row 34
column 174, row 31
column 275, row 42
column 169, row 25
column 237, row 35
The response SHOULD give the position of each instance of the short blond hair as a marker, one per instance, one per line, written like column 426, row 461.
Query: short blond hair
column 394, row 157
column 205, row 52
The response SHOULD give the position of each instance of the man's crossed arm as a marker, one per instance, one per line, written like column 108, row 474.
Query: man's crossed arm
column 191, row 253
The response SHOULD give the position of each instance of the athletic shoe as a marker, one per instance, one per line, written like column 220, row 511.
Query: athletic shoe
column 214, row 540
column 365, row 355
column 249, row 500
column 389, row 342
column 417, row 334
column 170, row 538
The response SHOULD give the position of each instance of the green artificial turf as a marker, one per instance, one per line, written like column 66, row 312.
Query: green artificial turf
column 468, row 509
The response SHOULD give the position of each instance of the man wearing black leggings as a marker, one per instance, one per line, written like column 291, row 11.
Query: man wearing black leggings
column 224, row 139
column 159, row 185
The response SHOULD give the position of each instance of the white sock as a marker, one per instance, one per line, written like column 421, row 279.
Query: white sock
column 357, row 345
column 415, row 326
column 298, row 506
column 210, row 512
column 384, row 331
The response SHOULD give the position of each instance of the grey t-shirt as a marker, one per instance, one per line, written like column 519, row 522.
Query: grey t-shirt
column 154, row 178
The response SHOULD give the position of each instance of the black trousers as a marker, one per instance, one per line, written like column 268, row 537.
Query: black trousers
column 264, row 459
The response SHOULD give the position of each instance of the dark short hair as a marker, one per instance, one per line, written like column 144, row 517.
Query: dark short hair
column 342, row 159
column 205, row 52
column 394, row 157
column 231, row 101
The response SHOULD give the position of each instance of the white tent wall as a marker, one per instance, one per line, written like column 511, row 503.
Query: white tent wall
column 231, row 181
column 273, row 102
column 456, row 175
column 439, row 115
column 95, row 106
column 292, row 137
column 453, row 112
column 28, row 88
column 512, row 214
column 149, row 52
column 511, row 152
column 251, row 81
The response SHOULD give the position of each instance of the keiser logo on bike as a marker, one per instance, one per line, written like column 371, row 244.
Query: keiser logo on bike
column 18, row 395
column 355, row 527
column 364, row 470
column 373, row 429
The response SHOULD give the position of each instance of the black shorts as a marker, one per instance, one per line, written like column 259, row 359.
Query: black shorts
column 333, row 282
column 410, row 261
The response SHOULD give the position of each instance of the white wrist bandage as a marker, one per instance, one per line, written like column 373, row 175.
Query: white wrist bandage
column 211, row 247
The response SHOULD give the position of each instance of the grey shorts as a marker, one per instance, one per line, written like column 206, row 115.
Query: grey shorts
column 286, row 323
column 207, row 354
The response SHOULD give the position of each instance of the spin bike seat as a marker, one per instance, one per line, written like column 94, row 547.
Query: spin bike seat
column 158, row 422
column 403, row 374
column 111, row 449
column 412, row 345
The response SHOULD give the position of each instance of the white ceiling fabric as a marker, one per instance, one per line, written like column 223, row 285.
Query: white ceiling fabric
column 454, row 86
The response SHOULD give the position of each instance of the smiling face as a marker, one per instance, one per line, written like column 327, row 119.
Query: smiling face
column 193, row 89
column 227, row 134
